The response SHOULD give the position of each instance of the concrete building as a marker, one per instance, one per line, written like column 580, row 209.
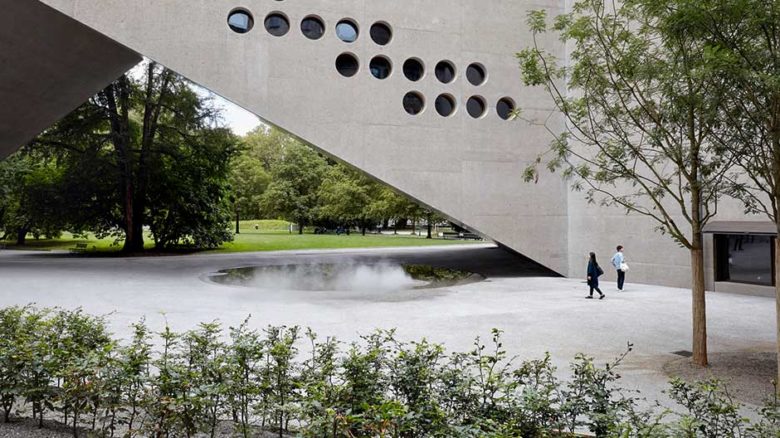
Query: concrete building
column 416, row 93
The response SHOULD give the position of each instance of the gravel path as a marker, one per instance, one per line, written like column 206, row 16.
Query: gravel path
column 25, row 428
column 747, row 375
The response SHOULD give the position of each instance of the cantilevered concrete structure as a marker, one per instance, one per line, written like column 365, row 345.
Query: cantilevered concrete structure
column 413, row 92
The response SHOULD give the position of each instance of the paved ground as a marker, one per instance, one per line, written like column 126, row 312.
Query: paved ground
column 538, row 314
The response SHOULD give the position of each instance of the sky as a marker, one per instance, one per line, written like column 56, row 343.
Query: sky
column 239, row 120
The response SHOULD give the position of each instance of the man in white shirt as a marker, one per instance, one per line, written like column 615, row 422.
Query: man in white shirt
column 617, row 262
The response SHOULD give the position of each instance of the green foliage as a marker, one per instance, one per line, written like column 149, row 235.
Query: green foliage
column 145, row 152
column 30, row 198
column 643, row 101
column 296, row 178
column 250, row 172
column 65, row 366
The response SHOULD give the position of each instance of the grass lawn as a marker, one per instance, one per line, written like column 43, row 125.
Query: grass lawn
column 255, row 236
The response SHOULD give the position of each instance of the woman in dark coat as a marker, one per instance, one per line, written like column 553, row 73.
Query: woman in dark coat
column 594, row 271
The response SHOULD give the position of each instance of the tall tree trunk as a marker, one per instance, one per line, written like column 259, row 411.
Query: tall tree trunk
column 139, row 204
column 117, row 99
column 21, row 236
column 128, row 206
column 300, row 227
column 699, row 307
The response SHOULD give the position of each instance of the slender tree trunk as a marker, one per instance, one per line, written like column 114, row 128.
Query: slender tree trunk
column 699, row 304
column 300, row 227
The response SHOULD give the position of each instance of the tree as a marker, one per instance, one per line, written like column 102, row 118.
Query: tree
column 346, row 196
column 250, row 171
column 743, row 38
column 30, row 200
column 296, row 179
column 641, row 107
column 145, row 151
column 195, row 208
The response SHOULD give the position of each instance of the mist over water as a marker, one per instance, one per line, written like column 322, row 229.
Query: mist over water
column 377, row 277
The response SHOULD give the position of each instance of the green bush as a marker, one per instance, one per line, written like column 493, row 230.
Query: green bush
column 64, row 366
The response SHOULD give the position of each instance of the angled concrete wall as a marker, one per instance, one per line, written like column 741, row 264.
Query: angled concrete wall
column 49, row 65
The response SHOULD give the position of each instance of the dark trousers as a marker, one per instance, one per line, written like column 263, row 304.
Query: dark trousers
column 597, row 290
column 621, row 279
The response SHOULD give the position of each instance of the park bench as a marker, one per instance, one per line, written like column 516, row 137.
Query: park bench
column 456, row 235
column 80, row 248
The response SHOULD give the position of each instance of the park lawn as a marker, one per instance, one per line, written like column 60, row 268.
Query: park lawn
column 68, row 242
column 280, row 241
column 264, row 235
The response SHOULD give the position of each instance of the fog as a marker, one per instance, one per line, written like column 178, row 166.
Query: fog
column 377, row 277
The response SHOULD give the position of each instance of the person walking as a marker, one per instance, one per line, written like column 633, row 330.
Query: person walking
column 619, row 262
column 594, row 271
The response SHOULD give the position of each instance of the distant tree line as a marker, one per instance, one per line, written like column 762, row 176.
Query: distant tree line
column 275, row 176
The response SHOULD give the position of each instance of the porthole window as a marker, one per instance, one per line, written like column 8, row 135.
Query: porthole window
column 313, row 28
column 347, row 64
column 381, row 34
column 505, row 108
column 347, row 31
column 240, row 21
column 476, row 75
column 445, row 105
column 380, row 67
column 277, row 24
column 414, row 69
column 414, row 103
column 445, row 72
column 476, row 107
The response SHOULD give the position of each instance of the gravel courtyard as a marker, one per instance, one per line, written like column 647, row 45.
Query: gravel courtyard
column 538, row 313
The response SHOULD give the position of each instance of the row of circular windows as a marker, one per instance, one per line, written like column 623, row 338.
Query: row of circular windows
column 381, row 67
column 241, row 20
column 446, row 105
column 277, row 24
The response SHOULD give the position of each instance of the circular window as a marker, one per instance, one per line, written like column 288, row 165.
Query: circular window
column 476, row 75
column 347, row 31
column 414, row 103
column 347, row 64
column 240, row 21
column 476, row 107
column 414, row 69
column 381, row 34
column 505, row 108
column 445, row 105
column 277, row 24
column 380, row 67
column 445, row 72
column 313, row 28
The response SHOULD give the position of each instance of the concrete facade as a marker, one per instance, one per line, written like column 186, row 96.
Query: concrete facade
column 469, row 169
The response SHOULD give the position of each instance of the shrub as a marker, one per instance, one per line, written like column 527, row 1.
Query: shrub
column 64, row 365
